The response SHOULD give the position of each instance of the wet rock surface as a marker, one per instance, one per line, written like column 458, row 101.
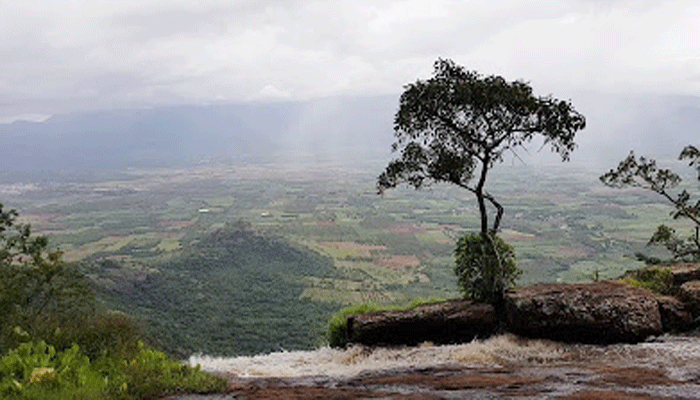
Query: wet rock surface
column 601, row 312
column 505, row 367
column 511, row 382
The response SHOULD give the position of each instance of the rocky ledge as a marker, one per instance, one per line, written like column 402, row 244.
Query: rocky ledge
column 598, row 313
column 448, row 322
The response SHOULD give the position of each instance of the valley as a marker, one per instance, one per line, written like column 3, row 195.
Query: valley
column 228, row 259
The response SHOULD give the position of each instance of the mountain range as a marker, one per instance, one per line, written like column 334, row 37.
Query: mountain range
column 347, row 129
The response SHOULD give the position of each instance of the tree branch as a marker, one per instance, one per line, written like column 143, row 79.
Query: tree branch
column 450, row 124
column 684, row 211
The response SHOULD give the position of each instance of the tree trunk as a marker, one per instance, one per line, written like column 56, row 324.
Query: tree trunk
column 479, row 192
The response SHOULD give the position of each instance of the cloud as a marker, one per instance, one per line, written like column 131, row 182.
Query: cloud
column 67, row 56
column 271, row 92
column 25, row 117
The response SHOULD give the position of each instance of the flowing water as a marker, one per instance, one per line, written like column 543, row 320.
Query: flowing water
column 499, row 367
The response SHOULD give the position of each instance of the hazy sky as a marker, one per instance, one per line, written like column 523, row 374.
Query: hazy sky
column 71, row 55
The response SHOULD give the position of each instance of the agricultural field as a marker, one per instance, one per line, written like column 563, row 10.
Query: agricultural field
column 559, row 218
column 139, row 230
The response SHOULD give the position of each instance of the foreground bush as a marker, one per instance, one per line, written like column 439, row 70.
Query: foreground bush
column 484, row 271
column 35, row 370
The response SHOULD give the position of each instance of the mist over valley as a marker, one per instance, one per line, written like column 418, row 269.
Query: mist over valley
column 352, row 130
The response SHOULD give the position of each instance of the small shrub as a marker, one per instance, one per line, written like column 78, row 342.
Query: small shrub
column 109, row 333
column 484, row 275
column 656, row 279
column 150, row 374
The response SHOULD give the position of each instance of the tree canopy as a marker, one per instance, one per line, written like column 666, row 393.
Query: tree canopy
column 456, row 125
column 643, row 173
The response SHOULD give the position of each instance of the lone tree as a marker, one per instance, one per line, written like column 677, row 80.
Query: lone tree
column 643, row 173
column 454, row 127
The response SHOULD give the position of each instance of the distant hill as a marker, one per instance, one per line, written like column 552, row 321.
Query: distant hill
column 346, row 129
column 231, row 292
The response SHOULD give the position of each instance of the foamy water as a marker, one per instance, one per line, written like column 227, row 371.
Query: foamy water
column 680, row 355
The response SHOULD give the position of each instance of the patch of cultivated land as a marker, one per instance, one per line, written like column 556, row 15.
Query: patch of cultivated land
column 340, row 250
column 398, row 263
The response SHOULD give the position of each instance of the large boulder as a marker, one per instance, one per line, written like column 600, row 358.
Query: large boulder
column 599, row 312
column 676, row 315
column 453, row 321
column 684, row 273
column 689, row 292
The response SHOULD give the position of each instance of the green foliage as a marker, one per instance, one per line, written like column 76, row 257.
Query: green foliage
column 112, row 334
column 43, row 298
column 337, row 326
column 485, row 270
column 684, row 250
column 17, row 246
column 38, row 291
column 459, row 121
column 150, row 374
column 38, row 371
column 232, row 292
column 643, row 173
column 656, row 279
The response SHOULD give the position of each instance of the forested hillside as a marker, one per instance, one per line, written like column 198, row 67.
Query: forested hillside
column 232, row 292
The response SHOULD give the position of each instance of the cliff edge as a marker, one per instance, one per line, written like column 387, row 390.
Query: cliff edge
column 598, row 313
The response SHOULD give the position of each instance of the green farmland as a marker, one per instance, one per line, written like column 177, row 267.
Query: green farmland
column 147, row 238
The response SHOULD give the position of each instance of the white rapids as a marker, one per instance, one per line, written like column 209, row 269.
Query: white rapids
column 679, row 355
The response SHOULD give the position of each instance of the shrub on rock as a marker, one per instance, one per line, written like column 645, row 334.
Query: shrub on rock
column 485, row 268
